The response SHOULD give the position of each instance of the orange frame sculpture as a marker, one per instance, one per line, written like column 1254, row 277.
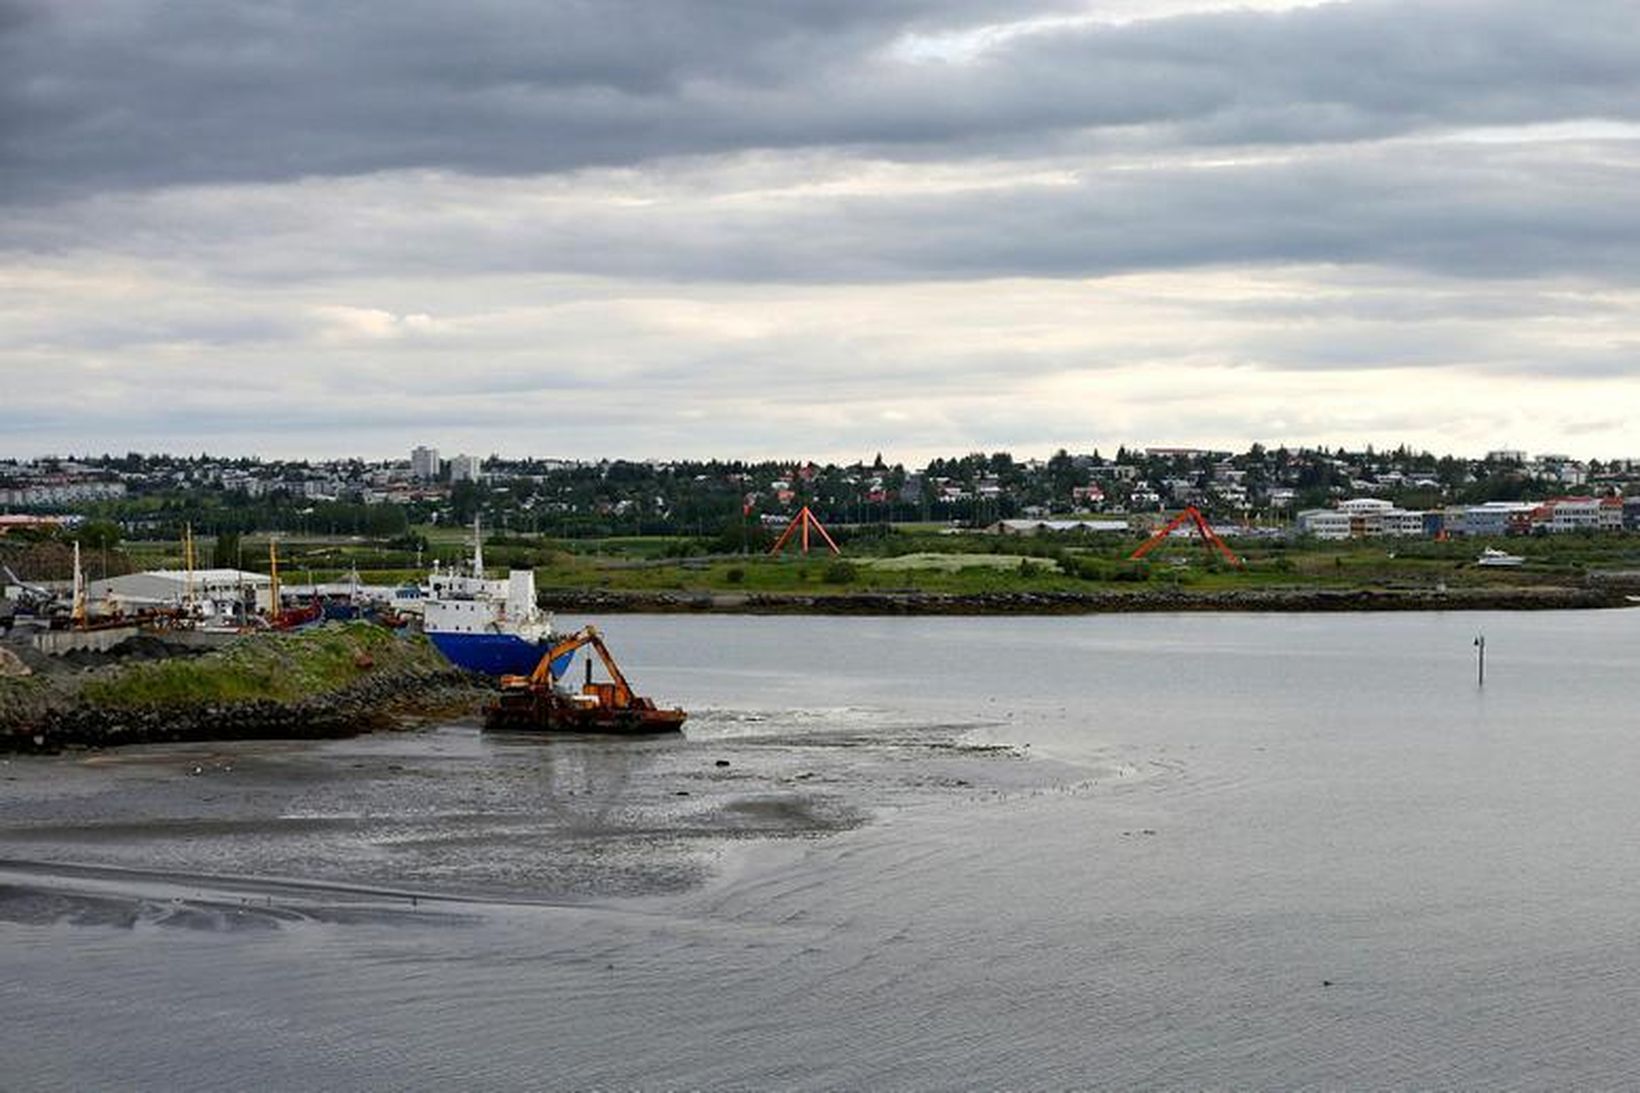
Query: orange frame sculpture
column 1193, row 515
column 805, row 520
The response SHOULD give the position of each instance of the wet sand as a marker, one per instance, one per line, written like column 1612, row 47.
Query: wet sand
column 254, row 833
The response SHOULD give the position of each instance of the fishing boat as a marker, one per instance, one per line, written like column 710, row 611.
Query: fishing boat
column 493, row 627
column 1493, row 558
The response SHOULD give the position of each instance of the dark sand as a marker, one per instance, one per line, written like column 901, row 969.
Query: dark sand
column 248, row 833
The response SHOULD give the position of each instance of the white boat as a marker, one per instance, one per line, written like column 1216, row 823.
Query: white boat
column 484, row 625
column 1491, row 557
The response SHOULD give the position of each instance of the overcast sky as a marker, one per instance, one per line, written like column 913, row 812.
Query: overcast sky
column 748, row 228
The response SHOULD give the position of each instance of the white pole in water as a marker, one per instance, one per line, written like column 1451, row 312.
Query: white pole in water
column 1480, row 660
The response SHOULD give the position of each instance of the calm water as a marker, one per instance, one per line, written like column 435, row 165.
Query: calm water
column 1273, row 851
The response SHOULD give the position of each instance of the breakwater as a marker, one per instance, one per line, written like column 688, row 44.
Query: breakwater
column 1540, row 598
column 335, row 681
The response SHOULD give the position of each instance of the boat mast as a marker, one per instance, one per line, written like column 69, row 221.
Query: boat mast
column 78, row 612
column 478, row 549
column 188, row 567
column 273, row 574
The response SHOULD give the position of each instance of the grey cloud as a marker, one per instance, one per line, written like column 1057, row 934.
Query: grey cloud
column 150, row 93
column 132, row 329
column 141, row 93
column 1372, row 300
column 1477, row 211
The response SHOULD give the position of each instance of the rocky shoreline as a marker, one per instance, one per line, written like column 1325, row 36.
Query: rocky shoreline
column 1542, row 598
column 389, row 686
column 383, row 702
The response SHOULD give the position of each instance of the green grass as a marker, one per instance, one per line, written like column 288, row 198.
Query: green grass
column 281, row 667
column 945, row 563
column 22, row 697
column 921, row 558
column 968, row 566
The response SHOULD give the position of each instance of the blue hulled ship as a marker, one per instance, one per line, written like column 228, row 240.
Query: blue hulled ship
column 484, row 625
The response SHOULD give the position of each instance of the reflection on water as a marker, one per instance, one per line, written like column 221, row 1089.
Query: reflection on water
column 1241, row 851
column 584, row 781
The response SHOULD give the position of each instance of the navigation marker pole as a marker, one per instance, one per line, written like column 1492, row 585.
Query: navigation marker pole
column 1480, row 660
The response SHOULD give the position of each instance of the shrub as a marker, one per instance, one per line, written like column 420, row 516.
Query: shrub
column 840, row 572
column 1091, row 569
column 735, row 575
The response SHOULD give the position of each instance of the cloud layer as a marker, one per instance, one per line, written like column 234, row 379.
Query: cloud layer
column 118, row 94
column 909, row 225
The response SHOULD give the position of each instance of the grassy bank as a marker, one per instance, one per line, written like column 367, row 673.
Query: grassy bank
column 273, row 667
column 335, row 680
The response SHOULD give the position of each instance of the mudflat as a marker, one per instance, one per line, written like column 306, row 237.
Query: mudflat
column 448, row 810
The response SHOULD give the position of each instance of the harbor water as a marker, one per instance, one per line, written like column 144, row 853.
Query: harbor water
column 1158, row 851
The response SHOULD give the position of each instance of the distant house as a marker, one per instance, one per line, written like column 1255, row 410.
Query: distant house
column 1092, row 495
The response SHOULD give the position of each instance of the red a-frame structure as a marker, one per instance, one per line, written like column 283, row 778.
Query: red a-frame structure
column 1193, row 514
column 805, row 520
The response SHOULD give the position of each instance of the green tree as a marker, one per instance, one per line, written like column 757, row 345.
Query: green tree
column 97, row 535
column 225, row 551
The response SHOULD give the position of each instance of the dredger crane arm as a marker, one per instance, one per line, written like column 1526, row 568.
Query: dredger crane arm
column 587, row 635
column 1191, row 513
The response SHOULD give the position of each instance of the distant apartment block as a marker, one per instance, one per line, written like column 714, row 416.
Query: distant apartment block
column 1362, row 518
column 1555, row 516
column 465, row 468
column 38, row 494
column 1491, row 518
column 424, row 463
column 1564, row 514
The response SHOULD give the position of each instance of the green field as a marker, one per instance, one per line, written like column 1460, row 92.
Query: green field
column 925, row 560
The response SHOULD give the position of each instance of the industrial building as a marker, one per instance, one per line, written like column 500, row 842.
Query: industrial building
column 221, row 593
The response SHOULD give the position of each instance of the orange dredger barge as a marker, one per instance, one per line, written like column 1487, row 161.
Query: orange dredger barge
column 537, row 702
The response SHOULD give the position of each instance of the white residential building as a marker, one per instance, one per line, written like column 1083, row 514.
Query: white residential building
column 465, row 468
column 1324, row 523
column 1361, row 518
column 1490, row 518
column 1565, row 514
column 62, row 493
column 424, row 463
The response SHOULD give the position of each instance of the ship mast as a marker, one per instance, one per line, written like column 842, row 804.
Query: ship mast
column 478, row 549
column 78, row 613
column 188, row 566
column 273, row 574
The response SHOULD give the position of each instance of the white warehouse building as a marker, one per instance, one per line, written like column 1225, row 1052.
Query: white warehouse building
column 214, row 591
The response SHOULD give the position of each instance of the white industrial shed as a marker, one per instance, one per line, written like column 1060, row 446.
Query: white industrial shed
column 214, row 591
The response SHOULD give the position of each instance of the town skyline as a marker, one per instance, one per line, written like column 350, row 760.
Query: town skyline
column 976, row 483
column 891, row 455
